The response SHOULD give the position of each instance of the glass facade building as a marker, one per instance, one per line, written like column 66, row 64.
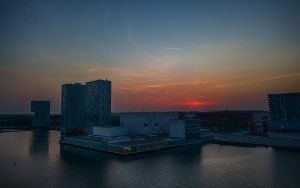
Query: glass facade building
column 86, row 106
column 284, row 111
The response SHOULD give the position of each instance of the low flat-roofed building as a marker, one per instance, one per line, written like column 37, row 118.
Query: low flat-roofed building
column 185, row 129
column 147, row 122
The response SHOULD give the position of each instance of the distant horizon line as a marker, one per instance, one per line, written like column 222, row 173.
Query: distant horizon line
column 231, row 110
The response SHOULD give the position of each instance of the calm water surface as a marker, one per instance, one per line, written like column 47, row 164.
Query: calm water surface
column 41, row 162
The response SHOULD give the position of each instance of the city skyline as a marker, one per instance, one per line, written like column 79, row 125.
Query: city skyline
column 169, row 55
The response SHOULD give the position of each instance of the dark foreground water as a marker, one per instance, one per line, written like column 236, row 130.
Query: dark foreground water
column 41, row 162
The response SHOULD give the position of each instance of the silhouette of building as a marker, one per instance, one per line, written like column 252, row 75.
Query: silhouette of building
column 147, row 123
column 98, row 104
column 186, row 129
column 86, row 106
column 223, row 120
column 42, row 113
column 72, row 107
column 284, row 111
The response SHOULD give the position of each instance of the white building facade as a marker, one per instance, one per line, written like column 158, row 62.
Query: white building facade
column 148, row 123
column 110, row 131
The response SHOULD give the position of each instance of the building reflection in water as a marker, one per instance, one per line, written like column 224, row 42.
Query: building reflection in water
column 39, row 142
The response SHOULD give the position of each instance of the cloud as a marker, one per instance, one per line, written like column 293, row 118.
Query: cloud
column 135, row 44
column 248, row 80
column 171, row 48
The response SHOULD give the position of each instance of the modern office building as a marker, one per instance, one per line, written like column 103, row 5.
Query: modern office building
column 72, row 107
column 86, row 106
column 98, row 104
column 185, row 129
column 147, row 123
column 42, row 113
column 284, row 111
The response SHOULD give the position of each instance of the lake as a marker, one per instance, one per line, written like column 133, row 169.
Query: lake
column 35, row 159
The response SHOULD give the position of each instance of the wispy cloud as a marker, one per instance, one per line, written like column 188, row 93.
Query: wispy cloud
column 254, row 81
column 171, row 48
column 137, row 45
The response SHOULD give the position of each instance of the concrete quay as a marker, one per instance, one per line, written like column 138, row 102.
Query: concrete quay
column 280, row 140
column 130, row 147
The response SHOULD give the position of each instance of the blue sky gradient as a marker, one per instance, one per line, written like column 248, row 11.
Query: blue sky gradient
column 216, row 53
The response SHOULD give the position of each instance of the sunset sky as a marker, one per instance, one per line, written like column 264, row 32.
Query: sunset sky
column 159, row 54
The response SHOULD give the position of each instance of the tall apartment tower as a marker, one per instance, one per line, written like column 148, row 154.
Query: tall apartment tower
column 98, row 104
column 86, row 106
column 72, row 107
column 42, row 113
column 284, row 111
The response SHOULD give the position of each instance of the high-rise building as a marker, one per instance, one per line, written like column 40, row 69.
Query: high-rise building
column 284, row 111
column 86, row 106
column 98, row 104
column 42, row 113
column 72, row 107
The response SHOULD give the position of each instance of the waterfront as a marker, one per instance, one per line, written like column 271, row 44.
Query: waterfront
column 40, row 162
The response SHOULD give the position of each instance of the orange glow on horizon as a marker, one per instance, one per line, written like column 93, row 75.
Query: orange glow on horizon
column 195, row 103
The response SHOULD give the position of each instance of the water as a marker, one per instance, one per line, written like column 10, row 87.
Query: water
column 41, row 162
